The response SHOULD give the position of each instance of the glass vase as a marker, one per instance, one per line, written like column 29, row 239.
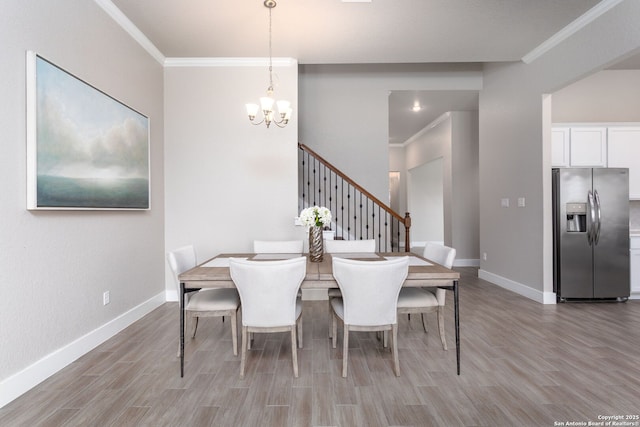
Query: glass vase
column 316, row 248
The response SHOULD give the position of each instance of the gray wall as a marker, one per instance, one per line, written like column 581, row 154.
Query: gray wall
column 55, row 265
column 344, row 112
column 515, row 152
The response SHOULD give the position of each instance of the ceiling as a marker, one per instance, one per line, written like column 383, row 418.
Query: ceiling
column 360, row 32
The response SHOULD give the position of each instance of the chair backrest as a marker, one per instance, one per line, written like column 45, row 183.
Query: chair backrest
column 268, row 290
column 349, row 246
column 278, row 246
column 441, row 254
column 370, row 289
column 181, row 260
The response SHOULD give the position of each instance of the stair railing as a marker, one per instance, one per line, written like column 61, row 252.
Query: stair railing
column 357, row 214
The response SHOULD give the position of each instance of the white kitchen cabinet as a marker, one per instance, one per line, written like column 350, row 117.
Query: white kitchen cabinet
column 635, row 267
column 588, row 146
column 560, row 147
column 623, row 151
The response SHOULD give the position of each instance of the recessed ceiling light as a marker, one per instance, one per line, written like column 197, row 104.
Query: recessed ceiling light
column 416, row 106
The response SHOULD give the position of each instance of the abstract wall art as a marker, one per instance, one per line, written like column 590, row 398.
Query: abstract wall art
column 85, row 149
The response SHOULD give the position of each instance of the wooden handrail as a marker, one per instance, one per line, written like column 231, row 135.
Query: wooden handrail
column 406, row 220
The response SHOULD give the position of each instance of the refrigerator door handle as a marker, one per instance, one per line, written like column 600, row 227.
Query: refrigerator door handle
column 591, row 218
column 596, row 235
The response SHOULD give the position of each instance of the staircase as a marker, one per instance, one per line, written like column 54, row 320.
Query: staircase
column 357, row 214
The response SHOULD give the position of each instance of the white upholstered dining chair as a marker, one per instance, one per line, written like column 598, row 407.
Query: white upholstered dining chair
column 205, row 302
column 268, row 292
column 369, row 300
column 349, row 246
column 342, row 247
column 427, row 300
column 278, row 246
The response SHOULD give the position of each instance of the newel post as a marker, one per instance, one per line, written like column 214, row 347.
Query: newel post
column 407, row 226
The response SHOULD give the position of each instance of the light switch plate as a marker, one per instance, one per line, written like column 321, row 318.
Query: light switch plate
column 504, row 203
column 521, row 203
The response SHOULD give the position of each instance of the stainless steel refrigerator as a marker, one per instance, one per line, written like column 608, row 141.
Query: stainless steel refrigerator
column 591, row 234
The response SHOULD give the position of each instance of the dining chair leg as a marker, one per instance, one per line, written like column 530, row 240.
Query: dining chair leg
column 243, row 352
column 294, row 351
column 334, row 328
column 195, row 326
column 441, row 327
column 385, row 339
column 394, row 348
column 299, row 326
column 330, row 319
column 424, row 322
column 234, row 332
column 345, row 351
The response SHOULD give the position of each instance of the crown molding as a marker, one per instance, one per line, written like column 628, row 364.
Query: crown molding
column 573, row 27
column 126, row 24
column 424, row 130
column 122, row 20
column 229, row 62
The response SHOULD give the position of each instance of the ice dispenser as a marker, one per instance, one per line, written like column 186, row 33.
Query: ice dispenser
column 576, row 217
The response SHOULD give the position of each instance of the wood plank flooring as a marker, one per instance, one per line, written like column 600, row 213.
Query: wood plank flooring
column 523, row 364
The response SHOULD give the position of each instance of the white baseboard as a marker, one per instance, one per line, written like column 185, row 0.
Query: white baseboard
column 21, row 382
column 466, row 263
column 519, row 288
column 635, row 295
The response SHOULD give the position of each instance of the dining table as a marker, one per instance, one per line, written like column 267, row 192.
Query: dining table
column 214, row 273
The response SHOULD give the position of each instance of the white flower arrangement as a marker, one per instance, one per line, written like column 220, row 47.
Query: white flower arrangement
column 315, row 216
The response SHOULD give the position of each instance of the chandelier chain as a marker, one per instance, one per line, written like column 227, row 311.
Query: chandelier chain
column 270, row 55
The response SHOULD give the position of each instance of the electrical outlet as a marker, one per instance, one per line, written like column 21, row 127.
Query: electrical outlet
column 484, row 256
column 521, row 203
column 106, row 298
column 504, row 203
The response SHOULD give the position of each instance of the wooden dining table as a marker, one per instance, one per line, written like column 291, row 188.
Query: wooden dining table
column 214, row 273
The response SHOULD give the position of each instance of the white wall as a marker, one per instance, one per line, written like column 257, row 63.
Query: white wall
column 607, row 96
column 454, row 139
column 426, row 202
column 228, row 182
column 513, row 160
column 397, row 164
column 55, row 265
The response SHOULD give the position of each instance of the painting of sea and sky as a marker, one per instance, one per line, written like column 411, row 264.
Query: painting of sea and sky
column 87, row 150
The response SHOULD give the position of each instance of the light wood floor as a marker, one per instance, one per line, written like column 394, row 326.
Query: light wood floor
column 523, row 364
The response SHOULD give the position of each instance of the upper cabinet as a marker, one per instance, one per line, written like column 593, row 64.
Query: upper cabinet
column 624, row 152
column 578, row 146
column 588, row 146
column 584, row 145
column 560, row 147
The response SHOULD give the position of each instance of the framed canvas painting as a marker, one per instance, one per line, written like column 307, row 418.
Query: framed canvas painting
column 85, row 149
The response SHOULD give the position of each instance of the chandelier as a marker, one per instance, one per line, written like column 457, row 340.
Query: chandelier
column 282, row 116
